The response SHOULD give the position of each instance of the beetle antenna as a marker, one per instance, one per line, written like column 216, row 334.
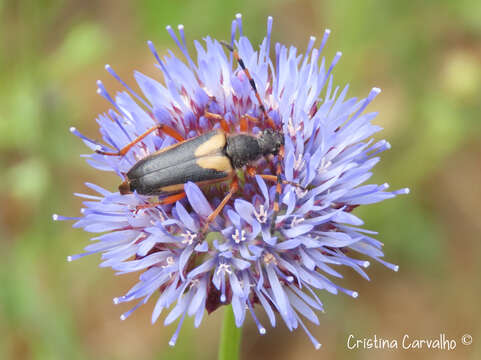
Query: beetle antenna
column 235, row 53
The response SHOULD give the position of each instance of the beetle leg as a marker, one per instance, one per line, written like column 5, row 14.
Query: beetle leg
column 278, row 189
column 166, row 129
column 244, row 122
column 223, row 123
column 251, row 171
column 274, row 178
column 252, row 118
column 234, row 186
column 167, row 200
column 244, row 125
column 267, row 118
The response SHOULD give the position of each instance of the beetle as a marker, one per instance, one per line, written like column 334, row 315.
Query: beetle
column 210, row 158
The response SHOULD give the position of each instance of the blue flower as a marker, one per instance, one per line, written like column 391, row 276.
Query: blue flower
column 251, row 258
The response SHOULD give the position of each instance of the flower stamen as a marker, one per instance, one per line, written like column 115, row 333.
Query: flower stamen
column 224, row 268
column 261, row 215
column 296, row 221
column 293, row 130
column 189, row 237
column 239, row 237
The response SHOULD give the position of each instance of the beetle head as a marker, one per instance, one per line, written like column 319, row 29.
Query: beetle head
column 270, row 141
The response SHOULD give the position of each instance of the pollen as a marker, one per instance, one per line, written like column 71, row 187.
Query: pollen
column 269, row 258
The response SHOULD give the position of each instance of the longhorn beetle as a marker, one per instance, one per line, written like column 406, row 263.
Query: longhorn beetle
column 210, row 158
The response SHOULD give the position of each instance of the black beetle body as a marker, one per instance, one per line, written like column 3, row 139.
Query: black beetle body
column 209, row 158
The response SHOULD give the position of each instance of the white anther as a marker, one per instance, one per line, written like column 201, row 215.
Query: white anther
column 293, row 130
column 169, row 262
column 194, row 283
column 225, row 268
column 261, row 216
column 323, row 166
column 238, row 237
column 296, row 221
column 299, row 162
column 300, row 192
column 189, row 237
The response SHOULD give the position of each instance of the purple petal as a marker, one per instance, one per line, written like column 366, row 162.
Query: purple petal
column 197, row 200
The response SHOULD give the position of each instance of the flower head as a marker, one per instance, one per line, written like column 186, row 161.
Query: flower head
column 255, row 257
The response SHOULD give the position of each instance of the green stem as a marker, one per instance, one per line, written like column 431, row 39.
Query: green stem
column 230, row 337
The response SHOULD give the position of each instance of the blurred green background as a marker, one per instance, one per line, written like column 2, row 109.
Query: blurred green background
column 425, row 55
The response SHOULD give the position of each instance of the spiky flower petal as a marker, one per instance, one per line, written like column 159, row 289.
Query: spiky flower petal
column 251, row 259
